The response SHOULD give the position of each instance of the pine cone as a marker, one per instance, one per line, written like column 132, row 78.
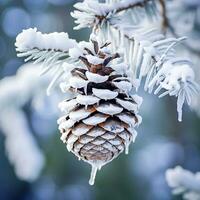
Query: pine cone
column 100, row 119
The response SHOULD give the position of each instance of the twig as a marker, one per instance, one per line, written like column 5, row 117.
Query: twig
column 133, row 5
column 120, row 9
column 164, row 15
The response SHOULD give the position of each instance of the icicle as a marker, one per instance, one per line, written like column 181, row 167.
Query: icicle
column 131, row 53
column 93, row 174
column 126, row 148
column 180, row 102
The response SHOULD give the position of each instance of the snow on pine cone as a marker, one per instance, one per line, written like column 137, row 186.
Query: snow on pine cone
column 99, row 120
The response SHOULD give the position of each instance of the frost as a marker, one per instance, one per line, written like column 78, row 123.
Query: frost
column 178, row 80
column 89, row 9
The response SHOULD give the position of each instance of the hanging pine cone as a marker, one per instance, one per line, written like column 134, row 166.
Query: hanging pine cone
column 100, row 119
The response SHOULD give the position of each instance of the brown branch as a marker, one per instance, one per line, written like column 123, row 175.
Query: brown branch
column 164, row 15
column 120, row 9
column 133, row 5
column 166, row 24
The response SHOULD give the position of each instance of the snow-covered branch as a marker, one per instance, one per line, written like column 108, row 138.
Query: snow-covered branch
column 31, row 39
column 176, row 77
column 94, row 14
column 49, row 49
column 21, row 147
column 184, row 182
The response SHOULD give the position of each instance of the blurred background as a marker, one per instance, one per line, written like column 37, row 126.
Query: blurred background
column 35, row 165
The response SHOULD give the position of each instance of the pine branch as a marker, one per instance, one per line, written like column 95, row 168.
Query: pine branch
column 49, row 49
column 155, row 60
column 184, row 182
column 98, row 14
column 117, row 8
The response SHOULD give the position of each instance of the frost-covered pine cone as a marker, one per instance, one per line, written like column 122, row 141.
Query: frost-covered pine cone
column 99, row 120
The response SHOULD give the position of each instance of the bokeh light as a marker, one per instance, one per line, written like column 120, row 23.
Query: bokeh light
column 14, row 20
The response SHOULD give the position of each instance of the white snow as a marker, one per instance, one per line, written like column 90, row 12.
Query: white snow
column 137, row 99
column 67, row 106
column 96, row 78
column 123, row 86
column 21, row 147
column 109, row 109
column 179, row 81
column 94, row 59
column 71, row 140
column 95, row 119
column 75, row 53
column 62, row 119
column 66, row 124
column 79, row 114
column 104, row 93
column 184, row 181
column 64, row 136
column 89, row 9
column 87, row 99
column 120, row 68
column 183, row 73
column 128, row 105
column 31, row 38
column 133, row 132
column 128, row 119
column 77, row 82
